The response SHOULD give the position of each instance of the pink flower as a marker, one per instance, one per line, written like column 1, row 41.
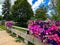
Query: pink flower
column 9, row 23
column 54, row 27
column 37, row 30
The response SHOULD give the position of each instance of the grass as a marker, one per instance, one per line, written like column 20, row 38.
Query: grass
column 21, row 29
column 29, row 43
column 19, row 39
column 3, row 27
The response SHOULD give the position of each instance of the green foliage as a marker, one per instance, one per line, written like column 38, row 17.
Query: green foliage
column 58, row 6
column 29, row 43
column 19, row 39
column 57, row 17
column 0, row 17
column 54, row 17
column 58, row 9
column 41, row 14
column 3, row 27
column 22, row 30
column 21, row 12
column 6, row 9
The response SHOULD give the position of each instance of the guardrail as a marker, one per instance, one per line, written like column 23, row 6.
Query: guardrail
column 27, row 37
column 20, row 28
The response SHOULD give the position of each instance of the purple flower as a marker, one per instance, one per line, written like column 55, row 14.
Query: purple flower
column 8, row 23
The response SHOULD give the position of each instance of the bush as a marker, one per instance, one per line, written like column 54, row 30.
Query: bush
column 9, row 23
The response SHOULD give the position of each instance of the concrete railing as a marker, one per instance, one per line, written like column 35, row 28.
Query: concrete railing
column 27, row 37
column 20, row 28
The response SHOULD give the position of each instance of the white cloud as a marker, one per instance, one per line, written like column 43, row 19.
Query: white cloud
column 49, row 12
column 0, row 6
column 1, row 1
column 0, row 9
column 36, row 5
column 49, row 3
column 30, row 1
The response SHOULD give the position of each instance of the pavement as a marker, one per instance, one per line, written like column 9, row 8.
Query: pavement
column 6, row 39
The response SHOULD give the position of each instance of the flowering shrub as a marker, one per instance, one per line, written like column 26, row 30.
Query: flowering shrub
column 58, row 23
column 47, row 32
column 9, row 23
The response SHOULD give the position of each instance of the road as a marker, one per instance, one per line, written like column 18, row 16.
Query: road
column 6, row 39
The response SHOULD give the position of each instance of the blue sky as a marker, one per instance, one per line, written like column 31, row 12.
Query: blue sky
column 38, row 3
column 34, row 3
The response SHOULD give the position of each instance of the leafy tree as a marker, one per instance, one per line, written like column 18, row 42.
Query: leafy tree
column 57, row 16
column 58, row 9
column 54, row 17
column 41, row 14
column 58, row 6
column 6, row 9
column 0, row 17
column 21, row 12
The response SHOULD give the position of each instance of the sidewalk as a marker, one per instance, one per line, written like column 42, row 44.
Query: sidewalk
column 5, row 39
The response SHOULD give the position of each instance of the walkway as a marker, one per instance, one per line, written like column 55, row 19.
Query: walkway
column 5, row 39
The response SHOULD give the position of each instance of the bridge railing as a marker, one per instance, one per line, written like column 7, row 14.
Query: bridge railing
column 26, row 36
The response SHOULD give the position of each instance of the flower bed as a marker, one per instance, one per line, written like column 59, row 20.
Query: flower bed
column 47, row 32
column 9, row 24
